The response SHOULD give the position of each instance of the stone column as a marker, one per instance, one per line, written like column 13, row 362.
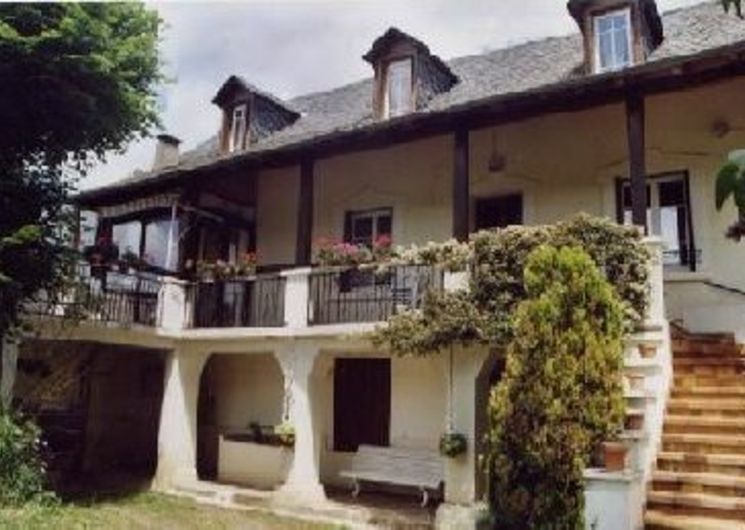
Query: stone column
column 461, row 509
column 177, row 435
column 303, row 485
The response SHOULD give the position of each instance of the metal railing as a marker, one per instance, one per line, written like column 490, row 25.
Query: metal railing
column 355, row 295
column 106, row 294
column 237, row 303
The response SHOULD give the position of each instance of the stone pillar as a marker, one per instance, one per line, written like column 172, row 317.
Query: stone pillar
column 296, row 297
column 303, row 485
column 461, row 509
column 172, row 305
column 656, row 310
column 177, row 435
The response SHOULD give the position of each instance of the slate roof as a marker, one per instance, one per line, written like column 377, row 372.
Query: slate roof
column 688, row 32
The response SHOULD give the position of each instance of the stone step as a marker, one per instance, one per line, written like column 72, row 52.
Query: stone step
column 708, row 365
column 722, row 463
column 688, row 482
column 661, row 520
column 704, row 424
column 729, row 407
column 709, row 391
column 692, row 380
column 700, row 504
column 702, row 348
column 704, row 443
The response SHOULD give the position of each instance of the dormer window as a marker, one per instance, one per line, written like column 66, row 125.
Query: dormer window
column 398, row 88
column 237, row 129
column 407, row 75
column 613, row 39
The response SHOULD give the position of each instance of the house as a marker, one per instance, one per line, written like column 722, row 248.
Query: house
column 630, row 118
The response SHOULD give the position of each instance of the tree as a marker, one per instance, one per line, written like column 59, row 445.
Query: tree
column 730, row 182
column 561, row 394
column 78, row 81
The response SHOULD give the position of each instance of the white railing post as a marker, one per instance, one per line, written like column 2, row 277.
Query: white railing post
column 656, row 310
column 172, row 305
column 297, row 292
column 455, row 281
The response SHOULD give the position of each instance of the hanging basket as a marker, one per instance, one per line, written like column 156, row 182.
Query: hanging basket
column 453, row 444
column 285, row 433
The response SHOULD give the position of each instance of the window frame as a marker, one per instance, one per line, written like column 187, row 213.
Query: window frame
column 145, row 218
column 375, row 214
column 597, row 61
column 237, row 144
column 653, row 181
column 387, row 84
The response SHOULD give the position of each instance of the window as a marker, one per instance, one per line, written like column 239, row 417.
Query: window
column 398, row 81
column 149, row 240
column 667, row 217
column 158, row 253
column 499, row 212
column 364, row 228
column 613, row 40
column 127, row 237
column 237, row 129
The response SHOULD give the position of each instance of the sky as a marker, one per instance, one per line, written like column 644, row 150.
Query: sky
column 296, row 47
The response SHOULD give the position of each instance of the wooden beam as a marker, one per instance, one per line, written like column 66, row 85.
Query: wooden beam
column 461, row 194
column 637, row 162
column 303, row 247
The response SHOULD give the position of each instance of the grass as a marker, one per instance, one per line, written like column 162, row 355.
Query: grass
column 144, row 511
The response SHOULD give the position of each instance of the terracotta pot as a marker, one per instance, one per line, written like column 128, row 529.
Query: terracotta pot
column 647, row 351
column 614, row 456
column 634, row 422
column 636, row 381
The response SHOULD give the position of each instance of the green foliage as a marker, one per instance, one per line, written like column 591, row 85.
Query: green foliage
column 730, row 182
column 79, row 80
column 22, row 474
column 561, row 394
column 453, row 444
column 483, row 313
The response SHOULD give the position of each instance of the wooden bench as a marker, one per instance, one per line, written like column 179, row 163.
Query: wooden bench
column 416, row 468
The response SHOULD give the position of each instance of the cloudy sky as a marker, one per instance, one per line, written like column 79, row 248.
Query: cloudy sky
column 295, row 47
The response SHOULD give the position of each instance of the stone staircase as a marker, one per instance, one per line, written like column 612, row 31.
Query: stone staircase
column 699, row 482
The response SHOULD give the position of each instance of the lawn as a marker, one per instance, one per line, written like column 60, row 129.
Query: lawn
column 145, row 511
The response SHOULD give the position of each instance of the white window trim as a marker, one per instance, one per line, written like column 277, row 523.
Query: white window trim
column 626, row 11
column 373, row 215
column 387, row 85
column 241, row 133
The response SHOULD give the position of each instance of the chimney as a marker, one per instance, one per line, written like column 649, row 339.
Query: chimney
column 166, row 152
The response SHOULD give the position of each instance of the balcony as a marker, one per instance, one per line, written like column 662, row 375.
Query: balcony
column 294, row 298
column 299, row 300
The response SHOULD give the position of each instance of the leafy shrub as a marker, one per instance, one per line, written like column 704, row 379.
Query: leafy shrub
column 561, row 393
column 22, row 472
column 483, row 314
column 453, row 444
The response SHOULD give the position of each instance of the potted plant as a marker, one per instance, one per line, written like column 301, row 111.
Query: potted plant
column 334, row 253
column 453, row 444
column 614, row 455
column 647, row 351
column 102, row 253
column 285, row 432
column 129, row 261
column 635, row 381
column 634, row 420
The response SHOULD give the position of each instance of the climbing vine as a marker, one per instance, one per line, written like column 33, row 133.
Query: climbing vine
column 482, row 314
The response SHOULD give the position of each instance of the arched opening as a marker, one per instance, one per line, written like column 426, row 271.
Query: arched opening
column 241, row 400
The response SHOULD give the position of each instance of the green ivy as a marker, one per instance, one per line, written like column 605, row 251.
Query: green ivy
column 483, row 313
column 22, row 472
column 561, row 394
